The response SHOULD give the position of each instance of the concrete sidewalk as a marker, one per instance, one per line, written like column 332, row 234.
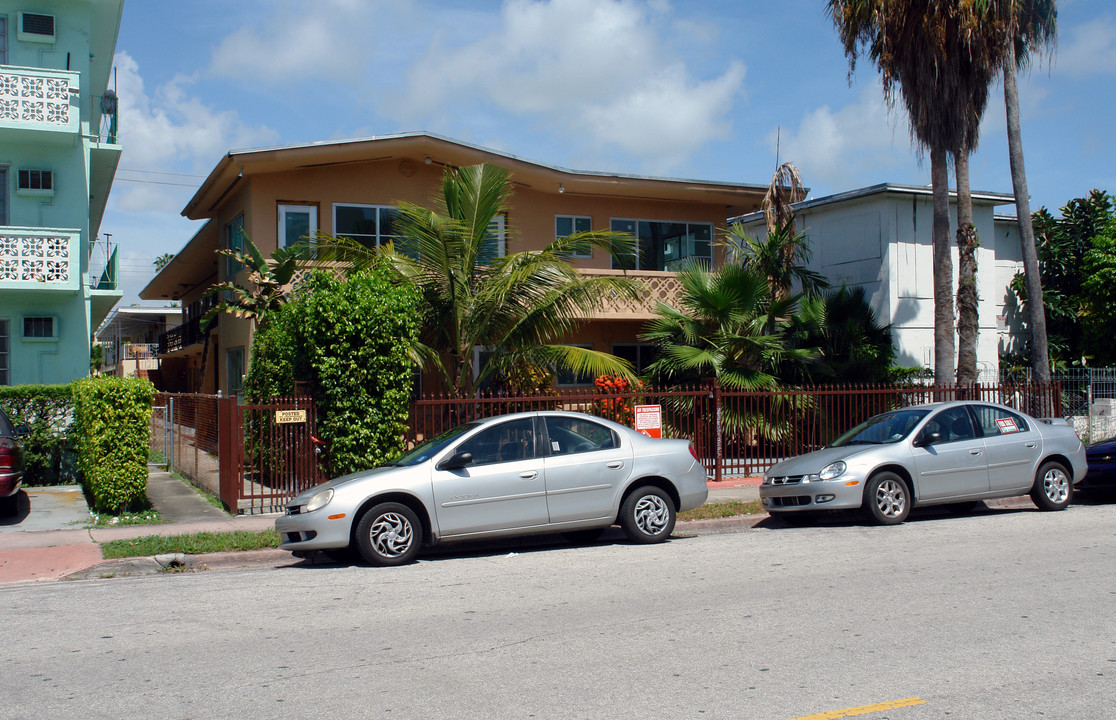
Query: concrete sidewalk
column 48, row 540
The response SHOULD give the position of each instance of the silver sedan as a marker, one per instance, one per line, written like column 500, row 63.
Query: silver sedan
column 954, row 452
column 510, row 475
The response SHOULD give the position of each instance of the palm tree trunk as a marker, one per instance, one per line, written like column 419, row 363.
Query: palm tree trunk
column 968, row 323
column 1036, row 310
column 943, row 271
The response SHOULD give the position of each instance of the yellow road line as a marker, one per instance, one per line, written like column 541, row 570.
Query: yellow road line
column 864, row 709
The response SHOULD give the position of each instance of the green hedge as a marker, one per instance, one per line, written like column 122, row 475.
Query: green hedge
column 112, row 428
column 47, row 410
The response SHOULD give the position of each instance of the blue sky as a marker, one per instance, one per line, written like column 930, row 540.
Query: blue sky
column 695, row 89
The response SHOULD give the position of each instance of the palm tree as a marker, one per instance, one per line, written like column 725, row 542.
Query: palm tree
column 931, row 52
column 517, row 308
column 1028, row 26
column 270, row 283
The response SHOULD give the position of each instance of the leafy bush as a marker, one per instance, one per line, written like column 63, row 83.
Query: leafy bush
column 112, row 427
column 349, row 342
column 47, row 410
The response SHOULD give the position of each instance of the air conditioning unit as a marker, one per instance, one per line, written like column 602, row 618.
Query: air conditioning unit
column 35, row 27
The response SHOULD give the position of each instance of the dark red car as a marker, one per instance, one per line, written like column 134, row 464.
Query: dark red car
column 11, row 464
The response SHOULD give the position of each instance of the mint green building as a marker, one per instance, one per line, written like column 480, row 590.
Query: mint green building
column 58, row 157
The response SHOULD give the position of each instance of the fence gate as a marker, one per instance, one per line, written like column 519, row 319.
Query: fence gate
column 266, row 453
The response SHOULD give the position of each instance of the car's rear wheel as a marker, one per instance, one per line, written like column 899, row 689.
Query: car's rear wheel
column 647, row 515
column 887, row 501
column 1053, row 489
column 389, row 534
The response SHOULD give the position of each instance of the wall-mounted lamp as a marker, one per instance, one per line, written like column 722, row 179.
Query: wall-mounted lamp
column 428, row 160
column 561, row 188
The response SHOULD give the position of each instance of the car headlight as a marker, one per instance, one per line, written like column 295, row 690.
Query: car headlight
column 319, row 500
column 832, row 470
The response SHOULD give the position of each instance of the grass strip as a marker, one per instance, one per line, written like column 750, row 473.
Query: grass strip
column 192, row 544
column 725, row 509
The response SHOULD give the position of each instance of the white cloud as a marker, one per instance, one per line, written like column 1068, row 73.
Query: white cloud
column 837, row 149
column 1090, row 50
column 170, row 131
column 303, row 40
column 592, row 69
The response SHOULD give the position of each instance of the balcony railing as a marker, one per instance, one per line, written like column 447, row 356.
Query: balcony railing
column 38, row 99
column 660, row 286
column 38, row 258
column 187, row 334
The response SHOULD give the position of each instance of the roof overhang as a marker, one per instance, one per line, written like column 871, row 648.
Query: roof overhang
column 194, row 265
column 433, row 149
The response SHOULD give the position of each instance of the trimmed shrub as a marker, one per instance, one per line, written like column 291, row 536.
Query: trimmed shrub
column 47, row 410
column 348, row 341
column 112, row 427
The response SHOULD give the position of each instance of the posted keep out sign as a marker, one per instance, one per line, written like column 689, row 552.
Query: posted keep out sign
column 649, row 420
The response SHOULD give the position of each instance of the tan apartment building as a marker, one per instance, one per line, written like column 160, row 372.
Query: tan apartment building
column 279, row 195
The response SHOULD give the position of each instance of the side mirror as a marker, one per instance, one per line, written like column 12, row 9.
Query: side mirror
column 456, row 461
column 22, row 430
column 927, row 439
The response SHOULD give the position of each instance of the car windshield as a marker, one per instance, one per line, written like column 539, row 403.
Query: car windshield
column 886, row 428
column 425, row 450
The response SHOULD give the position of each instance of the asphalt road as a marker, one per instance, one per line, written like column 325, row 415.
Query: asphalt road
column 1005, row 615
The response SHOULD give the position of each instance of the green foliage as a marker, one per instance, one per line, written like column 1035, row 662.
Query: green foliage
column 349, row 341
column 192, row 544
column 112, row 427
column 47, row 410
column 1098, row 297
column 1062, row 243
column 269, row 283
column 854, row 347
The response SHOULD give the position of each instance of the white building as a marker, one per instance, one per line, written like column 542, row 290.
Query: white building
column 880, row 238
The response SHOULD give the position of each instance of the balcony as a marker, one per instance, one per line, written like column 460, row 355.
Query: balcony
column 39, row 259
column 660, row 286
column 37, row 102
column 179, row 338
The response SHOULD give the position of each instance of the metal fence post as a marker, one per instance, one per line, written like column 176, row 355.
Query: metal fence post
column 719, row 457
column 168, row 437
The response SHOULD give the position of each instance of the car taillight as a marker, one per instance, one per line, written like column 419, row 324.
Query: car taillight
column 694, row 452
column 7, row 455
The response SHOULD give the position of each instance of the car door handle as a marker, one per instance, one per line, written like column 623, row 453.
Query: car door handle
column 615, row 464
column 528, row 474
column 974, row 452
column 1030, row 444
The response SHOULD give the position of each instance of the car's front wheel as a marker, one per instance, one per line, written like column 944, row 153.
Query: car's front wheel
column 389, row 534
column 647, row 515
column 887, row 501
column 1053, row 489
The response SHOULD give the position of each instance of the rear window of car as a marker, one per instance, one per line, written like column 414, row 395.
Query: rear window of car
column 995, row 421
column 5, row 426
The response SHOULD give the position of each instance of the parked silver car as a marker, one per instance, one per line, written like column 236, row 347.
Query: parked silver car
column 518, row 474
column 954, row 452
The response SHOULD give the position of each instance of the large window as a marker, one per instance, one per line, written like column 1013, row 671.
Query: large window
column 297, row 223
column 3, row 41
column 5, row 351
column 568, row 225
column 370, row 225
column 663, row 245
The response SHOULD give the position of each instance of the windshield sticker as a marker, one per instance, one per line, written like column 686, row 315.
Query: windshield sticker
column 1007, row 425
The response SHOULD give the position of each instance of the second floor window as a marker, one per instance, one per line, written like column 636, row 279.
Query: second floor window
column 565, row 225
column 234, row 240
column 664, row 245
column 370, row 225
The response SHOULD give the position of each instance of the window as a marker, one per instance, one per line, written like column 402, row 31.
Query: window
column 664, row 245
column 3, row 43
column 574, row 435
column 952, row 423
column 370, row 225
column 640, row 355
column 495, row 244
column 568, row 225
column 506, row 442
column 234, row 240
column 39, row 328
column 5, row 352
column 36, row 180
column 571, row 379
column 3, row 194
column 297, row 223
column 234, row 369
column 994, row 421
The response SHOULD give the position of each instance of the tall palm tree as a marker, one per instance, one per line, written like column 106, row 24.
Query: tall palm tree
column 931, row 52
column 517, row 307
column 1027, row 26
